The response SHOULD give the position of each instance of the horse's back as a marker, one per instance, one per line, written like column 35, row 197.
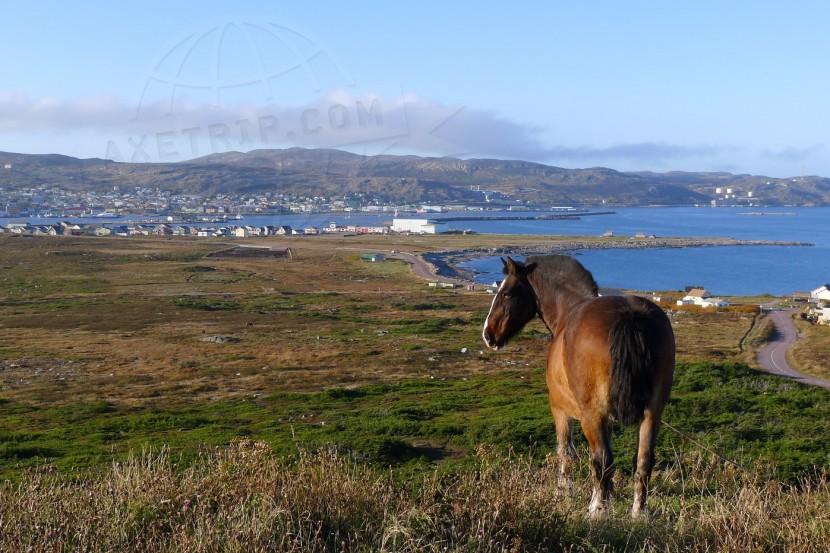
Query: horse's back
column 603, row 334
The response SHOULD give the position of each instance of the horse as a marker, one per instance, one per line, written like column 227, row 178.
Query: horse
column 611, row 360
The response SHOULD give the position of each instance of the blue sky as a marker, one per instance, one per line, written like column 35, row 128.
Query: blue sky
column 703, row 86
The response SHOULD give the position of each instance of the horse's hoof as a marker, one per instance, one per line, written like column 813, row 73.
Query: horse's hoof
column 599, row 512
column 565, row 487
column 639, row 514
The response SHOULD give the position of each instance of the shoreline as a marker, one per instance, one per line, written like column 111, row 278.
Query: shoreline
column 447, row 263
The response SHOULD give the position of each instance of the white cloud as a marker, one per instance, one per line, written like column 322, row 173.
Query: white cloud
column 343, row 118
column 18, row 112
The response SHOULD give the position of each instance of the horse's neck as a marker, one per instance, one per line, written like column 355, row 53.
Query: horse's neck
column 555, row 306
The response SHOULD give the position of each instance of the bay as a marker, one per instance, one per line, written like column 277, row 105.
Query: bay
column 723, row 270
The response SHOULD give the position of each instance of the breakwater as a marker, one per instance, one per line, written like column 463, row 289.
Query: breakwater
column 566, row 215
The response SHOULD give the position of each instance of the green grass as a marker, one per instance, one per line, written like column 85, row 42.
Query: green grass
column 751, row 419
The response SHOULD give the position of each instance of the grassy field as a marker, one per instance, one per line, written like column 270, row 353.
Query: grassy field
column 328, row 363
column 811, row 353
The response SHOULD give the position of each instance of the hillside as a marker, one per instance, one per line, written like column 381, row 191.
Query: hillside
column 157, row 398
column 407, row 179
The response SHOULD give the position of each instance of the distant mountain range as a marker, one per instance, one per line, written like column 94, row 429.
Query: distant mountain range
column 410, row 179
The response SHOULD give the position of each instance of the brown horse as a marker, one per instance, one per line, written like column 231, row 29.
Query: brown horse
column 611, row 360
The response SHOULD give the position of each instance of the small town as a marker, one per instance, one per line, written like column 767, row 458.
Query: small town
column 219, row 228
column 51, row 200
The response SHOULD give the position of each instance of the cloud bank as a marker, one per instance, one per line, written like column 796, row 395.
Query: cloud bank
column 181, row 128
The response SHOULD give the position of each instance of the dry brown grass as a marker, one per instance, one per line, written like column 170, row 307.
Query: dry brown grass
column 318, row 321
column 811, row 353
column 710, row 334
column 243, row 498
column 87, row 319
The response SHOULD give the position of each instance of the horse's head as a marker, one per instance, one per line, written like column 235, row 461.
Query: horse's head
column 513, row 307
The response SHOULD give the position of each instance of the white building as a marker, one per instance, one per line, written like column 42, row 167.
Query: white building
column 415, row 226
column 822, row 293
column 702, row 298
column 823, row 315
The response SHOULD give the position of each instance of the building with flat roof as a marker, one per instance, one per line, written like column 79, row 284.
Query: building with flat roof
column 415, row 226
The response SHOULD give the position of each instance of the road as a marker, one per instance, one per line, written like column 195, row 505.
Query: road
column 422, row 269
column 773, row 356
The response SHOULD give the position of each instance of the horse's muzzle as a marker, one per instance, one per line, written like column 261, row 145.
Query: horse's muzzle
column 490, row 341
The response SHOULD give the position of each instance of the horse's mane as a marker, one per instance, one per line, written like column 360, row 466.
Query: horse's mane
column 554, row 272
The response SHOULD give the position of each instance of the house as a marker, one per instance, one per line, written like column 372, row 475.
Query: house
column 701, row 293
column 183, row 230
column 372, row 230
column 822, row 315
column 241, row 232
column 163, row 230
column 801, row 296
column 714, row 302
column 702, row 298
column 19, row 229
column 71, row 228
column 493, row 287
column 822, row 293
column 373, row 257
column 283, row 230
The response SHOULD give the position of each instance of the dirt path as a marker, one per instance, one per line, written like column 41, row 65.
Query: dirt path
column 422, row 269
column 773, row 356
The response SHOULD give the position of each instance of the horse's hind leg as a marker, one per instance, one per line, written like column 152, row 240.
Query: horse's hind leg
column 598, row 434
column 564, row 449
column 644, row 462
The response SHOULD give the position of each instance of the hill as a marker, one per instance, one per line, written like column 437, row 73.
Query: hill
column 408, row 179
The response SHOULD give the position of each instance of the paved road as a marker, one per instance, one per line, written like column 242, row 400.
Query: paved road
column 773, row 356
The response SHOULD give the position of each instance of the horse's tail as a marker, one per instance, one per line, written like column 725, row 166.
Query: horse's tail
column 632, row 363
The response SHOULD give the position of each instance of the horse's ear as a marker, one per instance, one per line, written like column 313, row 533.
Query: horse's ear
column 509, row 266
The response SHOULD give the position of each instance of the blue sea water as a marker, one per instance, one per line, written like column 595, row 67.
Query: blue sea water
column 723, row 270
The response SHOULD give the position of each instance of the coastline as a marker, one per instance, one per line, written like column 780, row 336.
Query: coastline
column 447, row 263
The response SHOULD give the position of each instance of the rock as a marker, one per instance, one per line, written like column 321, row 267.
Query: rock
column 220, row 339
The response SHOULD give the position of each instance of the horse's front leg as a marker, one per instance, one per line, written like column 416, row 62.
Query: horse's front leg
column 598, row 434
column 565, row 449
